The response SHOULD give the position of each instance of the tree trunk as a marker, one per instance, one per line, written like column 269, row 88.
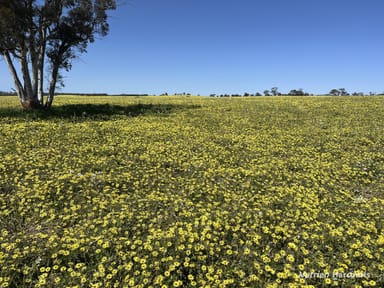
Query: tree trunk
column 34, row 63
column 19, row 87
column 30, row 98
column 26, row 96
column 52, row 86
column 26, row 77
column 40, row 67
column 40, row 86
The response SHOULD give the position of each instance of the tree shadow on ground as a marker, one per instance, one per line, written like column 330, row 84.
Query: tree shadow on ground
column 84, row 112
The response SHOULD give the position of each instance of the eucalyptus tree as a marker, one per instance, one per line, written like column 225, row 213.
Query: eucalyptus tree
column 45, row 36
column 274, row 91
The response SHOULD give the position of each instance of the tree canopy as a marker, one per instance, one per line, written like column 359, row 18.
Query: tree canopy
column 45, row 36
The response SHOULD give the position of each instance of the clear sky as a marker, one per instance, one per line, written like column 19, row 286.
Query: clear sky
column 227, row 46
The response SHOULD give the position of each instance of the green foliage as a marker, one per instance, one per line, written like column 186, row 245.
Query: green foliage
column 47, row 34
column 193, row 192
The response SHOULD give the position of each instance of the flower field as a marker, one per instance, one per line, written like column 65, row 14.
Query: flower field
column 193, row 192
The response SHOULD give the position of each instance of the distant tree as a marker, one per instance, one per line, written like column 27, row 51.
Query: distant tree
column 266, row 93
column 49, row 34
column 339, row 92
column 258, row 94
column 343, row 92
column 334, row 92
column 296, row 92
column 274, row 91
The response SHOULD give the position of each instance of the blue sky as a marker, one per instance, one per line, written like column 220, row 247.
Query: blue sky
column 214, row 46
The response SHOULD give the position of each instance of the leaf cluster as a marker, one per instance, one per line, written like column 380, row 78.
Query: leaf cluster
column 64, row 26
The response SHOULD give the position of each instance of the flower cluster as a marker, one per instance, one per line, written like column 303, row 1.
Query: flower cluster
column 256, row 192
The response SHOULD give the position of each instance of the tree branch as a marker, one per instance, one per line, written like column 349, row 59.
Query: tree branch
column 19, row 87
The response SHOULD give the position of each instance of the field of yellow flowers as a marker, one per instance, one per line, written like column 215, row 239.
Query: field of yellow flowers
column 193, row 192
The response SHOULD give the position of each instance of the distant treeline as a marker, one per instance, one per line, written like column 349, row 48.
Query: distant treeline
column 7, row 93
column 99, row 94
column 281, row 94
column 272, row 92
column 4, row 93
column 299, row 92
